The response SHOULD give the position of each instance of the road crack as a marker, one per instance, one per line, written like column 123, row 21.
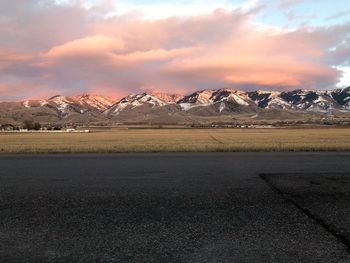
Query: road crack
column 329, row 228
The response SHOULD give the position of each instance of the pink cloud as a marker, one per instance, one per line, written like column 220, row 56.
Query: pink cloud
column 97, row 44
column 122, row 55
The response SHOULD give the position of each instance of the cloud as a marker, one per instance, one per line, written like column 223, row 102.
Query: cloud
column 289, row 3
column 86, row 46
column 281, row 72
column 72, row 49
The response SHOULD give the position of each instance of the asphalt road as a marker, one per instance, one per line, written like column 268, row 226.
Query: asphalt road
column 185, row 207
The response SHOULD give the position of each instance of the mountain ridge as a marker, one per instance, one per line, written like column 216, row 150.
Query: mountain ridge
column 207, row 103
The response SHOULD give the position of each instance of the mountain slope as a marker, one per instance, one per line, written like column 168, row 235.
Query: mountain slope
column 168, row 98
column 309, row 100
column 342, row 97
column 97, row 102
column 269, row 100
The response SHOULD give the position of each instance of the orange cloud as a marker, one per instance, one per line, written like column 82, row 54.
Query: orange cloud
column 154, row 55
column 122, row 55
column 258, row 59
column 86, row 46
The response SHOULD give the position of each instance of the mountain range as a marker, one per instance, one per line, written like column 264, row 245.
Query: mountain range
column 200, row 106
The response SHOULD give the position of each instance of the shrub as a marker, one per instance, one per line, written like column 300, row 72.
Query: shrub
column 28, row 124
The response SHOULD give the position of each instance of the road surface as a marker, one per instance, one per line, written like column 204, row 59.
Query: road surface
column 179, row 207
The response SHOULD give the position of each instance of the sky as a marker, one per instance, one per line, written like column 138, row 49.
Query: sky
column 116, row 47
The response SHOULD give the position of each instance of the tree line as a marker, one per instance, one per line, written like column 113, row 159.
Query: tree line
column 30, row 125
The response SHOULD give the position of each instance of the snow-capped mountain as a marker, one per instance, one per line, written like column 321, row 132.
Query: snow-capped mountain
column 136, row 100
column 269, row 100
column 305, row 100
column 65, row 105
column 205, row 103
column 211, row 97
column 308, row 100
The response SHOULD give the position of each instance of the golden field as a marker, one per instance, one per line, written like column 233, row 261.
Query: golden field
column 178, row 140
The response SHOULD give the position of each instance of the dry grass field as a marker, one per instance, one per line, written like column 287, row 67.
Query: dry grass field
column 178, row 140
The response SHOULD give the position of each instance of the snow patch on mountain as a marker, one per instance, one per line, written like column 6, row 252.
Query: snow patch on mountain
column 188, row 106
column 61, row 102
column 42, row 103
column 26, row 104
column 222, row 107
column 277, row 102
column 239, row 99
column 34, row 103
